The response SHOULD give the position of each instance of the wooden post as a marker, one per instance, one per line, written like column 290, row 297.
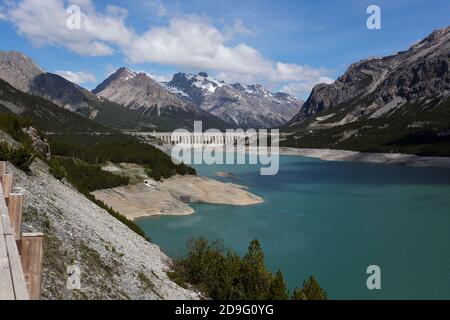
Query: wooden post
column 32, row 253
column 17, row 274
column 2, row 169
column 15, row 213
column 7, row 182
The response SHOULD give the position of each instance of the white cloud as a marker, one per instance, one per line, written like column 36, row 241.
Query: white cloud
column 78, row 77
column 189, row 42
column 158, row 76
column 303, row 88
column 194, row 43
column 45, row 22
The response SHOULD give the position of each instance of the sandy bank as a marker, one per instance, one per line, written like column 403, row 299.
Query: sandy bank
column 383, row 158
column 170, row 196
column 136, row 201
column 202, row 189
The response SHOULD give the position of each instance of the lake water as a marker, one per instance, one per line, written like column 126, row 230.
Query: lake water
column 332, row 220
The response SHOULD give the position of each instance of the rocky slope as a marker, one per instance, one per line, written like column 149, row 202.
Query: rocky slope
column 379, row 87
column 139, row 92
column 245, row 106
column 23, row 74
column 18, row 70
column 115, row 262
column 399, row 103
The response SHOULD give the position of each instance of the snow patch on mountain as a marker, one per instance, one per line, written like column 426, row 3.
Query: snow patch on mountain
column 242, row 105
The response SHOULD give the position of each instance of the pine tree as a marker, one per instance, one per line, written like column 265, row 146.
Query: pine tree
column 278, row 289
column 228, row 279
column 255, row 277
column 311, row 291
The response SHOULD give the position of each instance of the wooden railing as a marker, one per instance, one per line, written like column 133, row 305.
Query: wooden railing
column 21, row 254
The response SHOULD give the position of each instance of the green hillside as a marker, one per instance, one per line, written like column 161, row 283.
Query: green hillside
column 411, row 129
column 45, row 115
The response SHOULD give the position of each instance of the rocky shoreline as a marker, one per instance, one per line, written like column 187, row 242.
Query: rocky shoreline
column 355, row 156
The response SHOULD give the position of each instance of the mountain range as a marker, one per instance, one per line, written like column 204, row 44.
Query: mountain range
column 139, row 92
column 395, row 103
column 250, row 106
column 23, row 74
column 133, row 100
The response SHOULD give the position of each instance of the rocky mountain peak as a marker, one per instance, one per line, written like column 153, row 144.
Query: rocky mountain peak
column 133, row 89
column 18, row 70
column 139, row 92
column 258, row 89
column 126, row 73
column 436, row 36
column 378, row 87
column 122, row 74
column 242, row 105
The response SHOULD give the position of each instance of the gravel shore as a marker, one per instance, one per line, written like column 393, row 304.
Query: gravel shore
column 384, row 158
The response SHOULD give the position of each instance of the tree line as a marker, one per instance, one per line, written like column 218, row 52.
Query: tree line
column 224, row 275
column 117, row 148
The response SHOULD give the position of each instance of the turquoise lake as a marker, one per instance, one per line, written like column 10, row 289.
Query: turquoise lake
column 332, row 220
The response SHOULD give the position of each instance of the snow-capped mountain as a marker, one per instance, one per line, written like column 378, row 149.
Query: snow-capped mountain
column 193, row 87
column 245, row 106
column 139, row 92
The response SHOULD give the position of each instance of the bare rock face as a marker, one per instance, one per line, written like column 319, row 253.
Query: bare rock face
column 18, row 70
column 23, row 74
column 245, row 106
column 417, row 78
column 138, row 91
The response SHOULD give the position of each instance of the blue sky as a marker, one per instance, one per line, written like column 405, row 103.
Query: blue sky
column 286, row 45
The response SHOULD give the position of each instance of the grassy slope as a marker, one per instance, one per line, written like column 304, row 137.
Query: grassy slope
column 44, row 114
column 411, row 129
column 74, row 136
